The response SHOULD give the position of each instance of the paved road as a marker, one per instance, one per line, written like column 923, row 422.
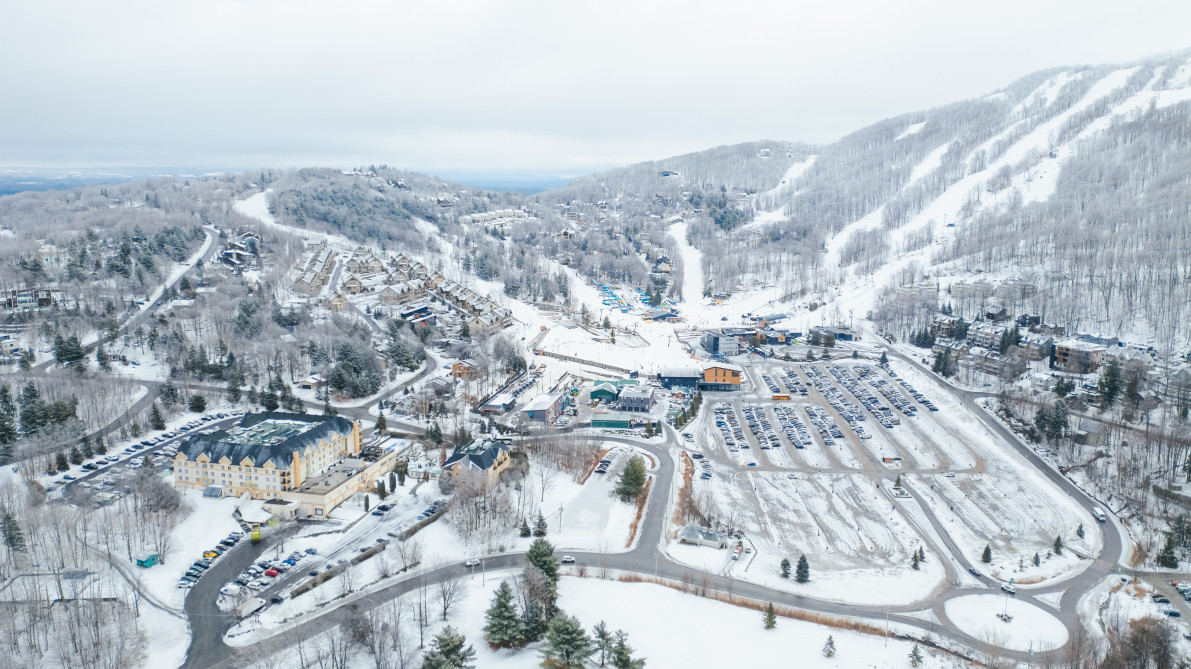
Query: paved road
column 208, row 624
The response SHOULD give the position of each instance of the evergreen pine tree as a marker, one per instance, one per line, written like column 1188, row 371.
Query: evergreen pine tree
column 769, row 617
column 539, row 526
column 62, row 462
column 382, row 425
column 1110, row 383
column 525, row 531
column 785, row 568
column 532, row 623
column 100, row 446
column 603, row 640
column 14, row 538
column 986, row 556
column 1058, row 546
column 76, row 458
column 1037, row 560
column 541, row 555
column 803, row 573
column 156, row 420
column 88, row 451
column 884, row 361
column 447, row 651
column 1166, row 557
column 1079, row 531
column 829, row 647
column 622, row 653
column 632, row 480
column 921, row 554
column 567, row 644
column 914, row 561
column 915, row 656
column 502, row 626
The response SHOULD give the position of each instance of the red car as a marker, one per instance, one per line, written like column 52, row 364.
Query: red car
column 271, row 573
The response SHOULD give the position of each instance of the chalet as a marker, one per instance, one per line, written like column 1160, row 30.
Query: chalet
column 353, row 285
column 721, row 376
column 986, row 335
column 481, row 455
column 337, row 303
column 311, row 382
column 402, row 293
column 944, row 326
column 463, row 369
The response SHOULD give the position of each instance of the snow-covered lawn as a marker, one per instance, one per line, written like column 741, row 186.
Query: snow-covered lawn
column 1030, row 628
column 664, row 626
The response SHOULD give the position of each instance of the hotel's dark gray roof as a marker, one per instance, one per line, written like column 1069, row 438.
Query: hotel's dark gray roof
column 266, row 437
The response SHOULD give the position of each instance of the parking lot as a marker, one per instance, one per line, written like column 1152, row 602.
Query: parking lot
column 104, row 477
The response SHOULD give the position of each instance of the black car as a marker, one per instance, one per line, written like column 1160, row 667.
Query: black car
column 240, row 582
column 383, row 507
column 276, row 600
column 1171, row 613
column 313, row 573
column 378, row 512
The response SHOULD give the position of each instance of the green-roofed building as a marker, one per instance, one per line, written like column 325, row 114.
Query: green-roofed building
column 605, row 392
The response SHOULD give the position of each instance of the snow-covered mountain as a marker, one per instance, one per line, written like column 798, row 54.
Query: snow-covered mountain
column 1072, row 182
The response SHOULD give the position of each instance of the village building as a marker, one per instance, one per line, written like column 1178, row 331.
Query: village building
column 314, row 461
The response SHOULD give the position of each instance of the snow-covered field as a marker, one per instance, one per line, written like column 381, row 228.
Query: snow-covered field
column 664, row 625
column 1028, row 627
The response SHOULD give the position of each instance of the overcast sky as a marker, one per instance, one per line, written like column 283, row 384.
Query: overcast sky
column 512, row 86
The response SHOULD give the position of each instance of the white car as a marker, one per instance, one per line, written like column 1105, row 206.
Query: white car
column 471, row 563
column 568, row 559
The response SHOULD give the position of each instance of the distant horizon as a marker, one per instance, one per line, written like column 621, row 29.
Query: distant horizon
column 24, row 178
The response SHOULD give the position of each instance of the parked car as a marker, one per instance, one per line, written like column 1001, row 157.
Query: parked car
column 272, row 573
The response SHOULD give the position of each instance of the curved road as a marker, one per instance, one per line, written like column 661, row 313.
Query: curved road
column 647, row 559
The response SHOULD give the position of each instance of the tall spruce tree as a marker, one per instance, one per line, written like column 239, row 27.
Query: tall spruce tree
column 785, row 568
column 632, row 480
column 502, row 626
column 986, row 556
column 14, row 538
column 541, row 555
column 803, row 573
column 622, row 653
column 567, row 644
column 602, row 637
column 769, row 617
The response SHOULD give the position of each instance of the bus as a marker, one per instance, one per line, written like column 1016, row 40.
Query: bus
column 781, row 396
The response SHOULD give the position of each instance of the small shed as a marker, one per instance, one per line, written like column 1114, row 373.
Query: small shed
column 148, row 560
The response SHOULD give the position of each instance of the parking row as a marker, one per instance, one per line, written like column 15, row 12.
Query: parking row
column 869, row 401
column 891, row 394
column 200, row 566
column 849, row 411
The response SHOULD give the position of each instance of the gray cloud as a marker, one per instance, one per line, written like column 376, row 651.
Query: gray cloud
column 511, row 85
